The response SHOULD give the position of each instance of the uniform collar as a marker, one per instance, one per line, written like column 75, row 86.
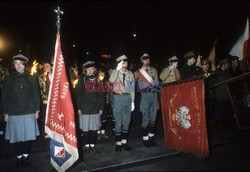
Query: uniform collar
column 124, row 72
column 145, row 68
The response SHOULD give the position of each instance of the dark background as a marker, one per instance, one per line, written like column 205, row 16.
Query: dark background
column 163, row 28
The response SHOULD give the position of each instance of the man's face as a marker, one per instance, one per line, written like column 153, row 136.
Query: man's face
column 124, row 64
column 192, row 61
column 145, row 62
column 206, row 67
column 90, row 71
column 226, row 66
column 235, row 62
column 47, row 67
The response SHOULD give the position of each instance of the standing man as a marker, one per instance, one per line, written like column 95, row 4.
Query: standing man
column 205, row 70
column 235, row 66
column 222, row 99
column 188, row 70
column 122, row 79
column 147, row 78
column 170, row 73
column 44, row 80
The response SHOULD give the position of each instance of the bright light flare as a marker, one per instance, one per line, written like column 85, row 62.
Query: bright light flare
column 75, row 83
column 34, row 68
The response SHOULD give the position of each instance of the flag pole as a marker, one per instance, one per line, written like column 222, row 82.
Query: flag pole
column 232, row 79
column 58, row 22
column 60, row 118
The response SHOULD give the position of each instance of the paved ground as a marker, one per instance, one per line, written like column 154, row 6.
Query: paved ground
column 230, row 150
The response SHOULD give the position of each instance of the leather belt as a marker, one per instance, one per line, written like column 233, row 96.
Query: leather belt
column 121, row 94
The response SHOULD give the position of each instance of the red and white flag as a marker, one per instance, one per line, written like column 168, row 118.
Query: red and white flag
column 184, row 118
column 60, row 119
column 241, row 48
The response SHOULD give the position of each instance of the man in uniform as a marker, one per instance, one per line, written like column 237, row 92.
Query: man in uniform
column 170, row 73
column 188, row 70
column 44, row 81
column 122, row 80
column 222, row 99
column 147, row 80
column 235, row 66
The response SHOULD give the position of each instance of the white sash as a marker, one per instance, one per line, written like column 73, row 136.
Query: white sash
column 146, row 75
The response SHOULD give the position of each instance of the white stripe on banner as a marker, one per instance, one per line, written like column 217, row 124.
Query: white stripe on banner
column 146, row 75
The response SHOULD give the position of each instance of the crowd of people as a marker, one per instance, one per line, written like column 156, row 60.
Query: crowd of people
column 101, row 92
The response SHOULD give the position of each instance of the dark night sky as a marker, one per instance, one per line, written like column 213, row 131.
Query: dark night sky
column 163, row 28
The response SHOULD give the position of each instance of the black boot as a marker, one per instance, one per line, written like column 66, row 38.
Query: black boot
column 86, row 150
column 126, row 147
column 26, row 161
column 151, row 132
column 118, row 148
column 146, row 143
column 118, row 139
column 94, row 151
column 19, row 163
column 152, row 141
column 145, row 134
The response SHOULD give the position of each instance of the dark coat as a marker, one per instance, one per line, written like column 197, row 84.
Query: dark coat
column 221, row 92
column 20, row 94
column 89, row 101
column 187, row 72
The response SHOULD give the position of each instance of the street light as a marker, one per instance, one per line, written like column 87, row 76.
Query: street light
column 2, row 44
column 134, row 35
column 74, row 45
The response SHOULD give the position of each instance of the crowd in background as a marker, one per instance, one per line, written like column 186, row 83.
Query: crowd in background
column 96, row 108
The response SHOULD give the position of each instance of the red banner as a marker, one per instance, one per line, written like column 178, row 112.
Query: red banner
column 184, row 118
column 60, row 119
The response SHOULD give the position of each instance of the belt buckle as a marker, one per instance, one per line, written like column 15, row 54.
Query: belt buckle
column 120, row 94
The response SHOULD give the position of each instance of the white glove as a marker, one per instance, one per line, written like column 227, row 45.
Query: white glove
column 132, row 107
column 173, row 66
column 119, row 66
column 198, row 61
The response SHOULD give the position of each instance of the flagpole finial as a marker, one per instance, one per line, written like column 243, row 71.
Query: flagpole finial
column 58, row 23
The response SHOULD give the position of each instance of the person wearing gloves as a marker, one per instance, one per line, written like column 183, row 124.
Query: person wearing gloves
column 170, row 73
column 124, row 94
column 21, row 106
column 147, row 80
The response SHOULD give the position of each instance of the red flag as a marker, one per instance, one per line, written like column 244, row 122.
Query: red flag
column 60, row 120
column 241, row 48
column 184, row 118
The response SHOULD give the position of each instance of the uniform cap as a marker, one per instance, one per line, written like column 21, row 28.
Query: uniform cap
column 223, row 61
column 123, row 57
column 88, row 64
column 174, row 58
column 205, row 61
column 20, row 57
column 234, row 58
column 145, row 56
column 189, row 54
